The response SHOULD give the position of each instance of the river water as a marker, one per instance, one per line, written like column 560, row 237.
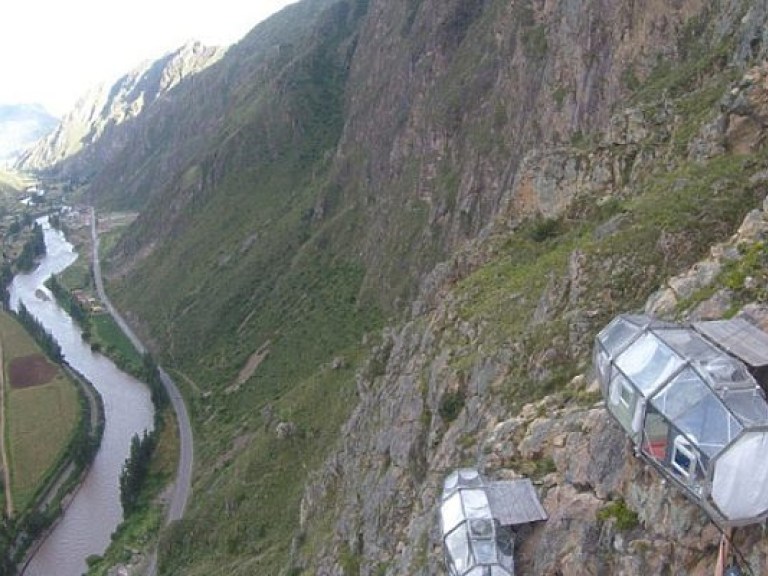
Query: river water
column 95, row 512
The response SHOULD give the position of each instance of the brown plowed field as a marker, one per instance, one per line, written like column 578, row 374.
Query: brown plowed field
column 33, row 370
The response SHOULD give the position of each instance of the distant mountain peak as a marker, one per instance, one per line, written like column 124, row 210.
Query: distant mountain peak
column 104, row 107
column 21, row 125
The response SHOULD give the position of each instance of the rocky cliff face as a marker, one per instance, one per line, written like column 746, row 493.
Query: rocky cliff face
column 503, row 178
column 435, row 394
column 98, row 128
column 445, row 105
column 448, row 102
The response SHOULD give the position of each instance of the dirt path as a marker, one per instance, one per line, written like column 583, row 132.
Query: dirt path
column 188, row 380
column 3, row 445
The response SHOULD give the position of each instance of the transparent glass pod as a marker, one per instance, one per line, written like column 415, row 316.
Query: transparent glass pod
column 473, row 541
column 691, row 409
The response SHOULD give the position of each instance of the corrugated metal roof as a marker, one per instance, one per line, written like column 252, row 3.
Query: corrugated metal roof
column 515, row 502
column 738, row 337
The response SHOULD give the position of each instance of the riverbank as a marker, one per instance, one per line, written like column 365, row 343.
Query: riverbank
column 164, row 390
column 94, row 512
column 131, row 550
column 71, row 472
column 52, row 425
column 78, row 290
column 75, row 290
column 52, row 417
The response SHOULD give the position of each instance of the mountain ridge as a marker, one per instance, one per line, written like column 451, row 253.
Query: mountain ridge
column 412, row 218
column 20, row 126
column 89, row 134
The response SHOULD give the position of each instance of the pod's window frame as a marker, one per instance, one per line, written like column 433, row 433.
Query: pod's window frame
column 626, row 393
column 682, row 447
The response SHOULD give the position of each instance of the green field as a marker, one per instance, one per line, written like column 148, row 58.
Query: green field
column 41, row 420
column 16, row 342
column 34, row 449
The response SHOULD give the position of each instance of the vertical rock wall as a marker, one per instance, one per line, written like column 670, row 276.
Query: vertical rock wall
column 448, row 102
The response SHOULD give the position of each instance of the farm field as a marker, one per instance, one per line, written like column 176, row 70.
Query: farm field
column 41, row 412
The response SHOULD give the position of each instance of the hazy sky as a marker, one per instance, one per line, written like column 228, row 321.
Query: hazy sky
column 52, row 51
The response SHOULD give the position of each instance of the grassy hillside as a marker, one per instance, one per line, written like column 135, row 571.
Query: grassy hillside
column 312, row 179
column 621, row 258
column 257, row 281
column 226, row 106
column 254, row 267
column 515, row 317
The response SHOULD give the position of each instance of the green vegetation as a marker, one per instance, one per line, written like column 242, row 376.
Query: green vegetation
column 105, row 335
column 275, row 278
column 629, row 79
column 696, row 108
column 559, row 96
column 669, row 223
column 78, row 275
column 744, row 279
column 451, row 404
column 44, row 339
column 259, row 478
column 350, row 562
column 545, row 228
column 99, row 328
column 36, row 448
column 15, row 341
column 33, row 248
column 626, row 519
column 133, row 477
column 261, row 275
column 674, row 80
column 67, row 300
column 140, row 529
column 151, row 463
column 38, row 392
column 535, row 42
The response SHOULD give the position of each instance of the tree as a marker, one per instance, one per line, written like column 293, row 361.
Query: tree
column 135, row 471
column 151, row 375
column 33, row 248
column 45, row 339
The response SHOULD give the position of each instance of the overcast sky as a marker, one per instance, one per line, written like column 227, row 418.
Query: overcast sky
column 53, row 51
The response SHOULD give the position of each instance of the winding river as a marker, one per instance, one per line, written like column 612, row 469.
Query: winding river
column 95, row 512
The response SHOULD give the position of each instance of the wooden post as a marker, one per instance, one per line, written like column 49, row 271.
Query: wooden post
column 724, row 553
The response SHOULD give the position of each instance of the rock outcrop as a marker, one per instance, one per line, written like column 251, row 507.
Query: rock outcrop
column 475, row 168
column 610, row 512
column 425, row 409
column 742, row 257
column 453, row 124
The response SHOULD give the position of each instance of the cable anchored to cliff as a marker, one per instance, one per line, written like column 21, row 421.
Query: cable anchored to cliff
column 727, row 564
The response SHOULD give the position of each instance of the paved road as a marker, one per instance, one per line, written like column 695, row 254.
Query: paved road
column 183, row 484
